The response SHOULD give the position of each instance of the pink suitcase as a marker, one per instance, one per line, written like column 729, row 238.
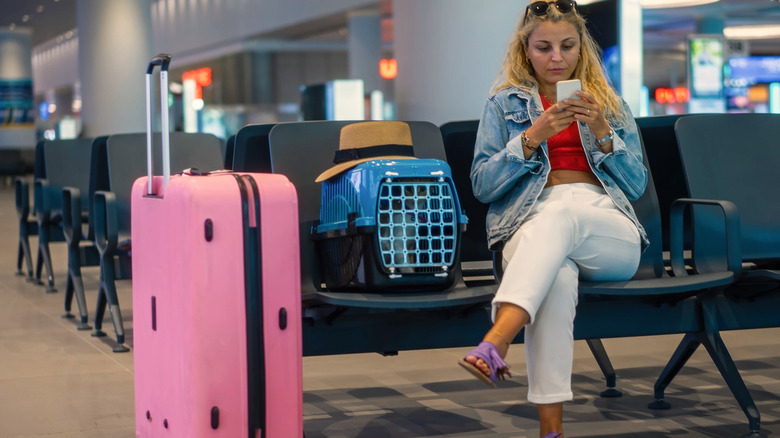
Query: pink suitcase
column 216, row 304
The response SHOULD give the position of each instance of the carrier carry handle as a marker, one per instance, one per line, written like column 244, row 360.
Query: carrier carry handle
column 163, row 60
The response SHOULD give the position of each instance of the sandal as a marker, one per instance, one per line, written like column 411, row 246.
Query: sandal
column 553, row 435
column 489, row 354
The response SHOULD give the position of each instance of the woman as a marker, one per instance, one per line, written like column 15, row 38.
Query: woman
column 558, row 176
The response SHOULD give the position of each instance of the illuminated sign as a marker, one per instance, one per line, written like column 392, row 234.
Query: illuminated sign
column 201, row 77
column 672, row 95
column 388, row 68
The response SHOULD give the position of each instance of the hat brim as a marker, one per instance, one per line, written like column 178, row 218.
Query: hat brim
column 341, row 167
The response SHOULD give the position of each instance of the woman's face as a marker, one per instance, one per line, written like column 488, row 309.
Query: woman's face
column 553, row 49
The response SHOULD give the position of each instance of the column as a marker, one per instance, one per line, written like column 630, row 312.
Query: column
column 115, row 46
column 631, row 49
column 449, row 53
column 364, row 44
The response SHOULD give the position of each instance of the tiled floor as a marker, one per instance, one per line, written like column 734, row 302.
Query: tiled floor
column 57, row 382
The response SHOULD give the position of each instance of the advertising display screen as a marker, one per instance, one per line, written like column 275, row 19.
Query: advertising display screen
column 750, row 70
column 705, row 66
column 16, row 102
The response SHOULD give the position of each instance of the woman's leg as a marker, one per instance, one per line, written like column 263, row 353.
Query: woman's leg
column 549, row 340
column 608, row 251
column 510, row 319
column 571, row 231
column 550, row 418
column 526, row 279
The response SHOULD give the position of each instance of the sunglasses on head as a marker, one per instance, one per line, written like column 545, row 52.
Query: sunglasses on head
column 540, row 8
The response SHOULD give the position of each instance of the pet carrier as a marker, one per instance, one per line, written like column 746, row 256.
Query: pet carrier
column 390, row 225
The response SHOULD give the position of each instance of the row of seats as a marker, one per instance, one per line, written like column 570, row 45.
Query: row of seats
column 82, row 196
column 711, row 266
column 691, row 280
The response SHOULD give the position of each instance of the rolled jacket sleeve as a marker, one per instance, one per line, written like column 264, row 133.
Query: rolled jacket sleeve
column 499, row 161
column 624, row 164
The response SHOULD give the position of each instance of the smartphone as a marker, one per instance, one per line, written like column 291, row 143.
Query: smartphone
column 566, row 89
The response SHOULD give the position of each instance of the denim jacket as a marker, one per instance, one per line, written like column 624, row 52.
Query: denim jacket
column 502, row 177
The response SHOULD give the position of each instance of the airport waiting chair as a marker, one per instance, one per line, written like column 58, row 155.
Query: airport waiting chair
column 251, row 152
column 82, row 252
column 476, row 258
column 731, row 157
column 662, row 156
column 704, row 283
column 126, row 162
column 27, row 226
column 337, row 322
column 59, row 163
column 229, row 147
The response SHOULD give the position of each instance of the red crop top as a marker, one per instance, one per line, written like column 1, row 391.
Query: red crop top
column 565, row 148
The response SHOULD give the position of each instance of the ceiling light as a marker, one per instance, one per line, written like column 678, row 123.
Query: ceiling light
column 26, row 18
column 657, row 4
column 39, row 8
column 757, row 32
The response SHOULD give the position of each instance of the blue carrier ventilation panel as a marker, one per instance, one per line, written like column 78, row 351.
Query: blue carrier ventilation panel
column 390, row 224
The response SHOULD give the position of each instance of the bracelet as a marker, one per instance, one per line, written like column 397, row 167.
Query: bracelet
column 501, row 336
column 608, row 137
column 524, row 140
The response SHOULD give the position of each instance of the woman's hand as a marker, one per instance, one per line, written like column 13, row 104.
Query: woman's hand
column 586, row 109
column 552, row 121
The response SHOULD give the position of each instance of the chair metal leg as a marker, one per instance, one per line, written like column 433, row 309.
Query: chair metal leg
column 75, row 287
column 100, row 310
column 107, row 297
column 684, row 351
column 24, row 258
column 713, row 342
column 45, row 255
column 38, row 268
column 26, row 228
column 75, row 284
column 728, row 369
column 600, row 354
column 21, row 259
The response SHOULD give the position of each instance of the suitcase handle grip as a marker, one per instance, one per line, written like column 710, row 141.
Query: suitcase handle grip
column 163, row 60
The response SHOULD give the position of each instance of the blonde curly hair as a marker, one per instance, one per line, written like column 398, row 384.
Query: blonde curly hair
column 518, row 72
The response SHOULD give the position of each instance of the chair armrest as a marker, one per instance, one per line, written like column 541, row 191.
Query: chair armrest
column 22, row 189
column 731, row 233
column 71, row 214
column 106, row 232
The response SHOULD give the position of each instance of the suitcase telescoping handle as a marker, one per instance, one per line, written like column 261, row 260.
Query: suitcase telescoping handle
column 162, row 60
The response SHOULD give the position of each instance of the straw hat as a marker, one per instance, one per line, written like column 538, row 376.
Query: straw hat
column 366, row 141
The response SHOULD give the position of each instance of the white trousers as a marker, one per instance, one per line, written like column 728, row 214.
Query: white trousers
column 574, row 231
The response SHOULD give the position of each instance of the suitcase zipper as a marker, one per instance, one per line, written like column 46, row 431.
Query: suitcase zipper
column 254, row 306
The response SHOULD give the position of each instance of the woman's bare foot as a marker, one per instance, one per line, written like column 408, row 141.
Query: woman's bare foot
column 479, row 363
column 486, row 363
